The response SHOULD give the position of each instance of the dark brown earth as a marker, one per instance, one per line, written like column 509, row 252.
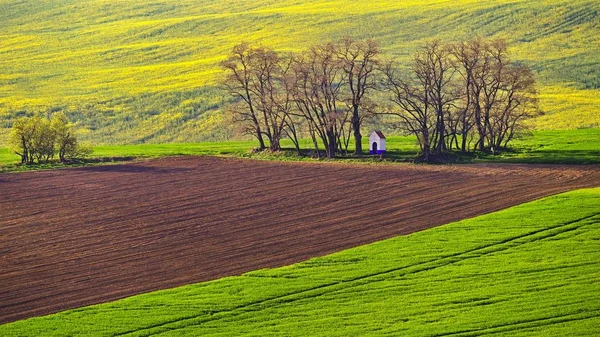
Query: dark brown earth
column 75, row 237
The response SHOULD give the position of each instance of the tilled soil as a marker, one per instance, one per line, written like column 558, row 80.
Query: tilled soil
column 75, row 237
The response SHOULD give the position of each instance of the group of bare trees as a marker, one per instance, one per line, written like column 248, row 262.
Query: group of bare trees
column 39, row 139
column 323, row 89
column 462, row 96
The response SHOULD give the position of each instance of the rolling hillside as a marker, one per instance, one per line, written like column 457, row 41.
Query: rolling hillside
column 530, row 270
column 145, row 71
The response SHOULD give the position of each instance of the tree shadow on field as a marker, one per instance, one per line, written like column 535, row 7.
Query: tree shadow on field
column 580, row 157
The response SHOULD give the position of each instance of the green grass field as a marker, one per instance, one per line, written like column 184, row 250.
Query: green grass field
column 567, row 147
column 531, row 270
column 145, row 71
column 581, row 146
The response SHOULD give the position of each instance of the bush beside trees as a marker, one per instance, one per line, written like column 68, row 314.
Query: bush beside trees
column 40, row 139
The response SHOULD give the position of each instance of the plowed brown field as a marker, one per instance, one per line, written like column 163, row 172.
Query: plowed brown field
column 74, row 237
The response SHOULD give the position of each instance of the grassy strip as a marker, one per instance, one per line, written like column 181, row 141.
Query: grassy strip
column 580, row 146
column 555, row 147
column 531, row 270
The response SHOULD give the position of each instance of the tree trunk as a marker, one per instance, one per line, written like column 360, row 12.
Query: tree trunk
column 332, row 144
column 480, row 129
column 61, row 154
column 25, row 154
column 464, row 135
column 356, row 128
column 441, row 127
column 315, row 141
column 426, row 144
column 487, row 130
column 275, row 144
column 261, row 142
column 293, row 136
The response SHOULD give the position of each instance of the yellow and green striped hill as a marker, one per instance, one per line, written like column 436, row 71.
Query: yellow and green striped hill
column 145, row 71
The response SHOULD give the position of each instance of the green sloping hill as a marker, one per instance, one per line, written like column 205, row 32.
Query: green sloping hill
column 531, row 270
column 145, row 71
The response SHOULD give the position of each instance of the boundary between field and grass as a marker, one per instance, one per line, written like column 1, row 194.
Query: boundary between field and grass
column 580, row 146
column 531, row 269
column 424, row 266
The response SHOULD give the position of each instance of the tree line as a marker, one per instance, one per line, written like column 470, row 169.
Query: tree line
column 40, row 139
column 465, row 96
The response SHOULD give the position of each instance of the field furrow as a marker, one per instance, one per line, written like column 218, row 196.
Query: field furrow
column 75, row 237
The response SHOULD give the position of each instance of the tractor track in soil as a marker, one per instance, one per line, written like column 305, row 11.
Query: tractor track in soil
column 75, row 237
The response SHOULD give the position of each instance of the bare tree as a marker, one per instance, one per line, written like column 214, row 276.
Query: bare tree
column 467, row 57
column 285, row 102
column 359, row 60
column 257, row 76
column 433, row 66
column 502, row 94
column 515, row 102
column 316, row 91
column 468, row 91
column 425, row 97
column 413, row 105
column 490, row 81
column 268, row 75
column 239, row 82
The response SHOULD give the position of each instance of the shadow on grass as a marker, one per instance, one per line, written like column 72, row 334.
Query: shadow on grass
column 513, row 156
column 578, row 157
column 52, row 165
column 104, row 160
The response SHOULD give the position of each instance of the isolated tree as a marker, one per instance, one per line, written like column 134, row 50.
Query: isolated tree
column 359, row 60
column 32, row 139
